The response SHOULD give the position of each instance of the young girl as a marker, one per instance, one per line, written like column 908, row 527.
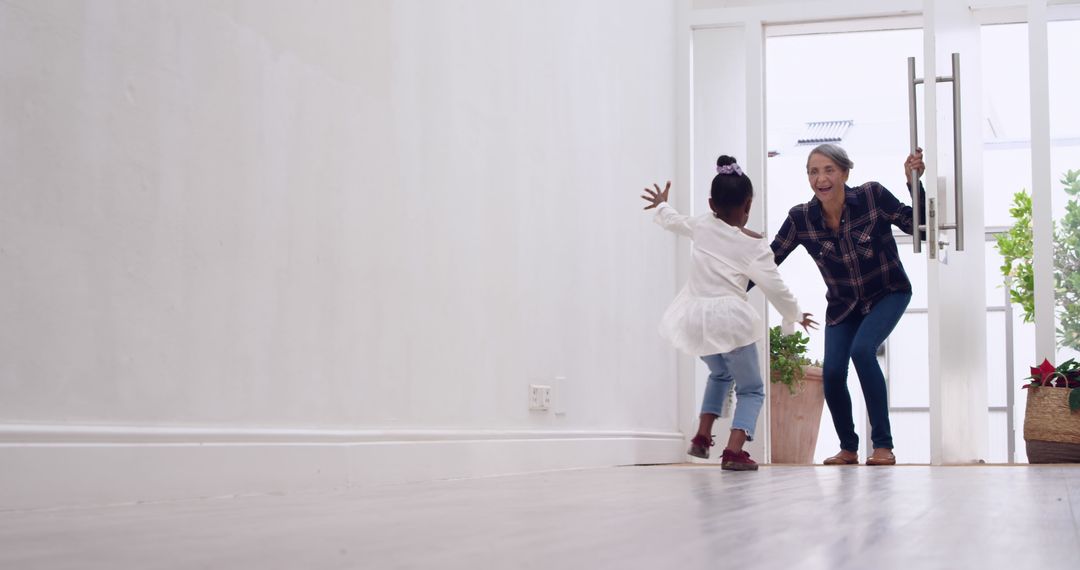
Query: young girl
column 711, row 317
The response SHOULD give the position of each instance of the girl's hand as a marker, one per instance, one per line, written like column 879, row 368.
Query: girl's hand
column 808, row 323
column 914, row 161
column 656, row 198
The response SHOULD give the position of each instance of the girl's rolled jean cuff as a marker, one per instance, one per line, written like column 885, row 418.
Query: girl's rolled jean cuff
column 749, row 434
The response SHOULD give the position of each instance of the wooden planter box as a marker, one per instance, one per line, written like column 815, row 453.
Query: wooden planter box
column 1051, row 430
column 794, row 420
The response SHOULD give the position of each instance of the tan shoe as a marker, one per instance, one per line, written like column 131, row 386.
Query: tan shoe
column 881, row 456
column 843, row 458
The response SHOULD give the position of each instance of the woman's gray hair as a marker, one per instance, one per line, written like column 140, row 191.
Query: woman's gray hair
column 834, row 153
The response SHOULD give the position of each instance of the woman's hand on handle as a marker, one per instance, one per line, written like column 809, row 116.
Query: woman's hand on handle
column 808, row 323
column 656, row 198
column 914, row 162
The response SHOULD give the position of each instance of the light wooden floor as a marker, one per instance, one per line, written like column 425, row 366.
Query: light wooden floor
column 669, row 517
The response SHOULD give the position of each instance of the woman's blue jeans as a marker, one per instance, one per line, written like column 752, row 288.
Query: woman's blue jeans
column 741, row 367
column 857, row 338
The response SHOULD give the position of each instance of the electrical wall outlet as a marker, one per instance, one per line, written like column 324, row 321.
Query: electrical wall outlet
column 539, row 397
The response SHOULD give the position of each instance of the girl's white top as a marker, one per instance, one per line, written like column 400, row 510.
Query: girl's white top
column 711, row 314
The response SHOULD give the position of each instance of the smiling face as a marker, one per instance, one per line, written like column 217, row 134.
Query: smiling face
column 826, row 178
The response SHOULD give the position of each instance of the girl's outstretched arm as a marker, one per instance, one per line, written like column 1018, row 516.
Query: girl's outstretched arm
column 666, row 215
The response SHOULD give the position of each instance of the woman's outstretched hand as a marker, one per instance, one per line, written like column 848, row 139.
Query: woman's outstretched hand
column 914, row 162
column 656, row 198
column 808, row 323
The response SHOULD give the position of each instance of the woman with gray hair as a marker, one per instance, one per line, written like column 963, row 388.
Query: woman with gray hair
column 848, row 233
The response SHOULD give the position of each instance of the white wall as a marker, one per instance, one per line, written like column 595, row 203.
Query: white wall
column 250, row 246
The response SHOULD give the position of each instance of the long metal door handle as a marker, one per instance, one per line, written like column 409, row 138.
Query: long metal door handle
column 958, row 159
column 958, row 162
column 916, row 196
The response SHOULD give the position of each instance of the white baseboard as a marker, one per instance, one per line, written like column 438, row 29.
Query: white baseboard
column 63, row 466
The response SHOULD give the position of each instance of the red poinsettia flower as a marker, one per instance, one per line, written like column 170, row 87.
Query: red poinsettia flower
column 1042, row 375
column 1044, row 370
column 1067, row 375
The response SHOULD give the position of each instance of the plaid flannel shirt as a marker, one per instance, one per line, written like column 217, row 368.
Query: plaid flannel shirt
column 860, row 263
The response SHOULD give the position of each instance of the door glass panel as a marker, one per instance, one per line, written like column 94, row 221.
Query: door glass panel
column 1007, row 132
column 998, row 452
column 1063, row 39
column 995, row 361
column 1007, row 125
column 915, row 267
column 908, row 367
column 1006, row 171
column 911, row 432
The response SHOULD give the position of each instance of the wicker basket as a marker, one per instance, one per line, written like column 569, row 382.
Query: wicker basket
column 1051, row 430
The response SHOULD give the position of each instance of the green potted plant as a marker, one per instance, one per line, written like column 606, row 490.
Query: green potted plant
column 796, row 400
column 787, row 358
column 1051, row 421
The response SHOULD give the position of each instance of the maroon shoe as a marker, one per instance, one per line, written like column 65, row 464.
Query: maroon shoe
column 737, row 461
column 699, row 446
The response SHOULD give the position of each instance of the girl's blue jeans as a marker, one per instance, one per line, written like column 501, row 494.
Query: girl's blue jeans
column 740, row 366
column 857, row 339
